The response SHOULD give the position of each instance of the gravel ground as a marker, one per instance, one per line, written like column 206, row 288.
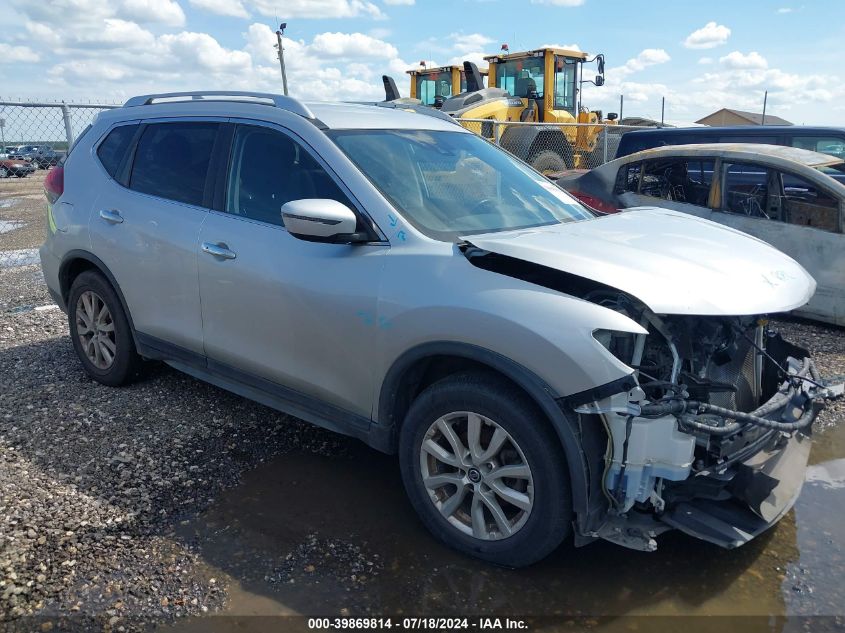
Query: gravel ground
column 87, row 522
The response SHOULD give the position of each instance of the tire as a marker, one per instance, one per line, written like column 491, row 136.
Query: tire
column 124, row 363
column 4, row 173
column 548, row 161
column 531, row 442
column 21, row 174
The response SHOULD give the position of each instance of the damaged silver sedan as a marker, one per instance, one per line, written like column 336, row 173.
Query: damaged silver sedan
column 540, row 371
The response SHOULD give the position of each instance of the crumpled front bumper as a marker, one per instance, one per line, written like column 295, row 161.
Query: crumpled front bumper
column 748, row 498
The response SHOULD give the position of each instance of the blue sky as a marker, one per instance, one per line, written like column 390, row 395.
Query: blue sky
column 700, row 55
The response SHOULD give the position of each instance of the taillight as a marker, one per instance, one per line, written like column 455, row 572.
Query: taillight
column 594, row 202
column 54, row 183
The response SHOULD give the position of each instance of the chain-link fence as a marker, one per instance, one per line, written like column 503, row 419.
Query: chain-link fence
column 553, row 147
column 34, row 137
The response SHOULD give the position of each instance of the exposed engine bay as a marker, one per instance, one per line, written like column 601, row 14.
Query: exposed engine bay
column 710, row 434
column 712, row 394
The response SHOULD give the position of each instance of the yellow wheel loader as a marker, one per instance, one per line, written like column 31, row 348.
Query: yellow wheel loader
column 432, row 86
column 539, row 86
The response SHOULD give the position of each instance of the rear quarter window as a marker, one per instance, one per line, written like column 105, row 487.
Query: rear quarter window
column 112, row 151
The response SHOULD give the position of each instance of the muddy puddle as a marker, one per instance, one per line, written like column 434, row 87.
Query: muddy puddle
column 332, row 536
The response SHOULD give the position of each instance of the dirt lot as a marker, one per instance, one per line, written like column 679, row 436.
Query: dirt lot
column 123, row 508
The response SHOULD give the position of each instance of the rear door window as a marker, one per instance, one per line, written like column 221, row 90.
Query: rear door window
column 172, row 160
column 746, row 191
column 112, row 151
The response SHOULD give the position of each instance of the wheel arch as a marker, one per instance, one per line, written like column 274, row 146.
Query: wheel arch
column 408, row 376
column 76, row 262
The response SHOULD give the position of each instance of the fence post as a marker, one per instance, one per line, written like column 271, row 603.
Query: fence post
column 604, row 144
column 68, row 128
column 497, row 132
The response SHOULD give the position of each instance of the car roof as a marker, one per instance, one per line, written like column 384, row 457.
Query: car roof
column 276, row 108
column 741, row 151
column 741, row 130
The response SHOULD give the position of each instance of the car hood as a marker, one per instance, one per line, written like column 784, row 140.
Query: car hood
column 673, row 262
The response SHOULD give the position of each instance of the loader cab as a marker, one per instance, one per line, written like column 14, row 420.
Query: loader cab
column 547, row 79
column 432, row 86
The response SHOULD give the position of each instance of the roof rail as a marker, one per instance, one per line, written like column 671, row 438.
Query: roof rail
column 286, row 103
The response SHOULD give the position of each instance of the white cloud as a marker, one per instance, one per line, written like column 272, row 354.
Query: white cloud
column 476, row 57
column 708, row 36
column 351, row 45
column 13, row 54
column 469, row 41
column 560, row 3
column 202, row 51
column 164, row 11
column 316, row 8
column 114, row 33
column 646, row 58
column 737, row 60
column 785, row 10
column 397, row 2
column 233, row 8
column 704, row 61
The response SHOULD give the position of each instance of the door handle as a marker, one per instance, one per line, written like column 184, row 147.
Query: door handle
column 111, row 215
column 218, row 250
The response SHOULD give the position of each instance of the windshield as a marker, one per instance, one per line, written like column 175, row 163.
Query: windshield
column 449, row 184
column 521, row 76
column 433, row 85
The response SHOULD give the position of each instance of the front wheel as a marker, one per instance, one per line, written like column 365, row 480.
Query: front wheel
column 484, row 470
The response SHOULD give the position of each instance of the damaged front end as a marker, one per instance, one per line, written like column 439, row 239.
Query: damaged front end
column 710, row 431
column 714, row 438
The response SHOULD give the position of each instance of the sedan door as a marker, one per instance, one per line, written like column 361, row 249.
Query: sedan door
column 798, row 216
column 279, row 312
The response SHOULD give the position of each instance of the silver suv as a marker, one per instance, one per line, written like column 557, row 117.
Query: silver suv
column 539, row 369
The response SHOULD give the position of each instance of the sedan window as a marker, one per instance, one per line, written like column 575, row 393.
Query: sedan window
column 678, row 179
column 807, row 204
column 746, row 191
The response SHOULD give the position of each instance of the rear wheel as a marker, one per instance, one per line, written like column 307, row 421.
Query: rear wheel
column 484, row 470
column 4, row 173
column 100, row 331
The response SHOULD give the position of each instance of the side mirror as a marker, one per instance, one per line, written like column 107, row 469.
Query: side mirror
column 599, row 80
column 321, row 220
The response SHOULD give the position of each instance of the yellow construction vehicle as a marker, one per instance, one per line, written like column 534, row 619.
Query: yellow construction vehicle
column 432, row 86
column 539, row 86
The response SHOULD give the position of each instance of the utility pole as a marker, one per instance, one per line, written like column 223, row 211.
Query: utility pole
column 621, row 105
column 281, row 48
column 765, row 99
column 662, row 110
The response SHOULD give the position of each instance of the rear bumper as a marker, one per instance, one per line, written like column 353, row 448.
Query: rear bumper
column 748, row 498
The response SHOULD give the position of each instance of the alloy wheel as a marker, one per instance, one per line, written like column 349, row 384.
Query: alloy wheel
column 476, row 475
column 95, row 329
